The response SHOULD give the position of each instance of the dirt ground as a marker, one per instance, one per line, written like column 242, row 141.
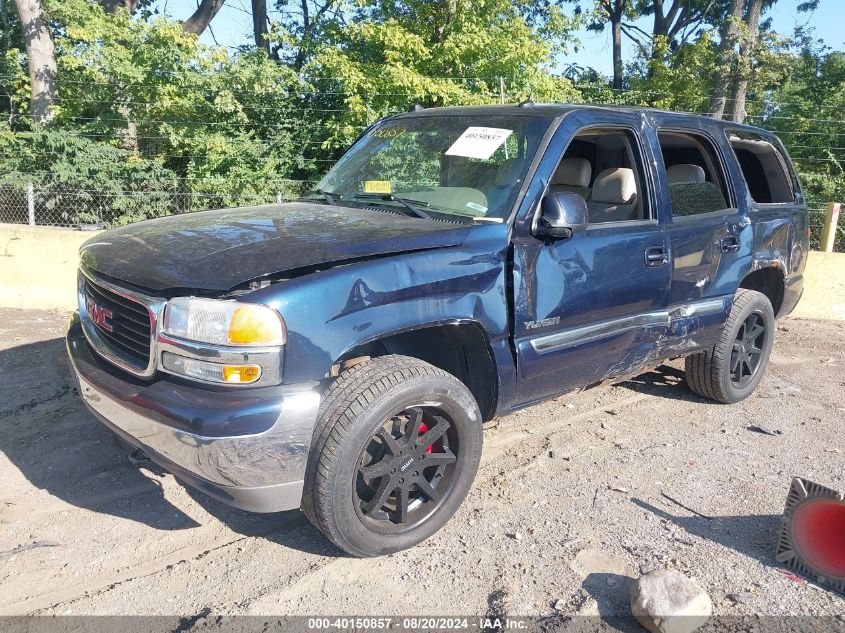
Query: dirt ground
column 574, row 498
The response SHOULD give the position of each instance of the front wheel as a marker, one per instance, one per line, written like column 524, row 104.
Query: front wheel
column 730, row 370
column 396, row 449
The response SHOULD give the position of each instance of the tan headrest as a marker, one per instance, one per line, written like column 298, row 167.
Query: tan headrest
column 573, row 172
column 685, row 174
column 616, row 185
column 509, row 171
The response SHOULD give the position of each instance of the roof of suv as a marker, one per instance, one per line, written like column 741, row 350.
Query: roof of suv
column 558, row 109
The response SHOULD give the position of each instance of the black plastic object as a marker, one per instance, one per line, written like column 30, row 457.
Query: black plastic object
column 812, row 535
column 561, row 213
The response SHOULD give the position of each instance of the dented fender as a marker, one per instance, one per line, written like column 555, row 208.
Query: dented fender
column 329, row 313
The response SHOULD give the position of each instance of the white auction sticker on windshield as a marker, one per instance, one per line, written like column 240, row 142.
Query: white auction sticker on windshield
column 478, row 142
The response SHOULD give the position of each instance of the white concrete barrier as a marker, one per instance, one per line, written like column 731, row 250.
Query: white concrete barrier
column 38, row 266
column 38, row 270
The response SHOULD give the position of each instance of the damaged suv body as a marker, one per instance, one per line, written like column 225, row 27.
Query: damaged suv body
column 340, row 353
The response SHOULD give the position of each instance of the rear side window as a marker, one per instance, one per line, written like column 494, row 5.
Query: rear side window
column 694, row 172
column 764, row 167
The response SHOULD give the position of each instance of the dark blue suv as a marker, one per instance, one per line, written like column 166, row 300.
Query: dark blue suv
column 340, row 353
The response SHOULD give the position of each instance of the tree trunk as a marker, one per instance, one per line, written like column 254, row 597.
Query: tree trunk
column 5, row 34
column 746, row 54
column 661, row 23
column 724, row 61
column 310, row 27
column 41, row 58
column 443, row 18
column 202, row 17
column 615, row 10
column 259, row 25
column 616, row 28
column 129, row 136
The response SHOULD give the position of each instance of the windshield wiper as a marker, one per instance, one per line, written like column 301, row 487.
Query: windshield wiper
column 412, row 205
column 327, row 195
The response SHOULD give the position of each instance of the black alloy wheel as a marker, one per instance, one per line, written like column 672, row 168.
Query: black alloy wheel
column 406, row 469
column 731, row 369
column 394, row 453
column 747, row 351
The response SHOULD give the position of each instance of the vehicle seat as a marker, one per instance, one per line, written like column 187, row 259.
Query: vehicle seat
column 467, row 200
column 614, row 196
column 685, row 174
column 572, row 176
column 507, row 178
column 690, row 193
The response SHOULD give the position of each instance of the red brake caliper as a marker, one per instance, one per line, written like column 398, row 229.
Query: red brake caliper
column 424, row 429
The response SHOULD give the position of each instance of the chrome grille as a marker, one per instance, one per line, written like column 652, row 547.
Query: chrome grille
column 119, row 327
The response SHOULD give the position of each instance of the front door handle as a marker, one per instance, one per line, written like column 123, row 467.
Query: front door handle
column 656, row 256
column 729, row 244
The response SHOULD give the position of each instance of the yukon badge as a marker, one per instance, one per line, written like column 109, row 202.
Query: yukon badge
column 533, row 325
column 99, row 315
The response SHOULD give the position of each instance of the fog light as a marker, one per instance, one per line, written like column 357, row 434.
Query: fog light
column 211, row 372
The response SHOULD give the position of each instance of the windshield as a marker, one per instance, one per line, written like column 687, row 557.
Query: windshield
column 459, row 166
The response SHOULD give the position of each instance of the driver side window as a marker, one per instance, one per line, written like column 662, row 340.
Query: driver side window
column 604, row 167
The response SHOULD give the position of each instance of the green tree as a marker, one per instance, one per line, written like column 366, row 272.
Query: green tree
column 446, row 52
column 190, row 119
column 674, row 80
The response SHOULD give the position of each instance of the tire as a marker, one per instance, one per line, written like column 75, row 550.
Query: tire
column 426, row 470
column 713, row 373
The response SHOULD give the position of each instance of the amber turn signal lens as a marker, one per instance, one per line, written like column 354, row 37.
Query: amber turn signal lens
column 241, row 373
column 254, row 324
column 210, row 372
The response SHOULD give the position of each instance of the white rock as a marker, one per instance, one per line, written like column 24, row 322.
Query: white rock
column 668, row 602
column 589, row 608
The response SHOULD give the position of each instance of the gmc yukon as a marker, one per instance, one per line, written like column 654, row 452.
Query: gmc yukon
column 340, row 353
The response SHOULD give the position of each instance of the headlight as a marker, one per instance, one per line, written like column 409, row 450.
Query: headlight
column 223, row 322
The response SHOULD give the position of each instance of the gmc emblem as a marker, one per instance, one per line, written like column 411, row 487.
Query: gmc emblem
column 99, row 315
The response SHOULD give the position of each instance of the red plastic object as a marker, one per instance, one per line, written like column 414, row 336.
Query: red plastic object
column 818, row 532
column 424, row 429
column 812, row 536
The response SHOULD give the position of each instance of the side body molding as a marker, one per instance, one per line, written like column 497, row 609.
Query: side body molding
column 594, row 331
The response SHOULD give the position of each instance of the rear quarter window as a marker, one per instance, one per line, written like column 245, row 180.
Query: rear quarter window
column 767, row 173
column 694, row 173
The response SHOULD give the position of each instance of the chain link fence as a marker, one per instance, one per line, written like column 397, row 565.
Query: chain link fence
column 58, row 204
column 62, row 205
column 816, row 220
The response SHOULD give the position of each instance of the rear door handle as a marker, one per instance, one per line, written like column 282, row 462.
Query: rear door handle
column 656, row 256
column 729, row 244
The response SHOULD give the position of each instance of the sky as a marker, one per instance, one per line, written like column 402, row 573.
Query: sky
column 827, row 21
column 233, row 27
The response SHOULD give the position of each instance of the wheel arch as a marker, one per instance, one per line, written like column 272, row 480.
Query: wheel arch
column 768, row 278
column 461, row 348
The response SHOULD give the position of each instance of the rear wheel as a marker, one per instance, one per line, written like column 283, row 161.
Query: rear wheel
column 732, row 369
column 395, row 452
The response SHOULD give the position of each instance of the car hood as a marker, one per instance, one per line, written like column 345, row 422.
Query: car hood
column 219, row 250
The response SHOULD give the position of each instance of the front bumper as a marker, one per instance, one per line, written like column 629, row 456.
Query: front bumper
column 247, row 449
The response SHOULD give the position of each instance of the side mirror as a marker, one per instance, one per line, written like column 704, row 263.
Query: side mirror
column 560, row 213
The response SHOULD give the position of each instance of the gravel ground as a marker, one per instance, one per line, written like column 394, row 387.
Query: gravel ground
column 574, row 499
